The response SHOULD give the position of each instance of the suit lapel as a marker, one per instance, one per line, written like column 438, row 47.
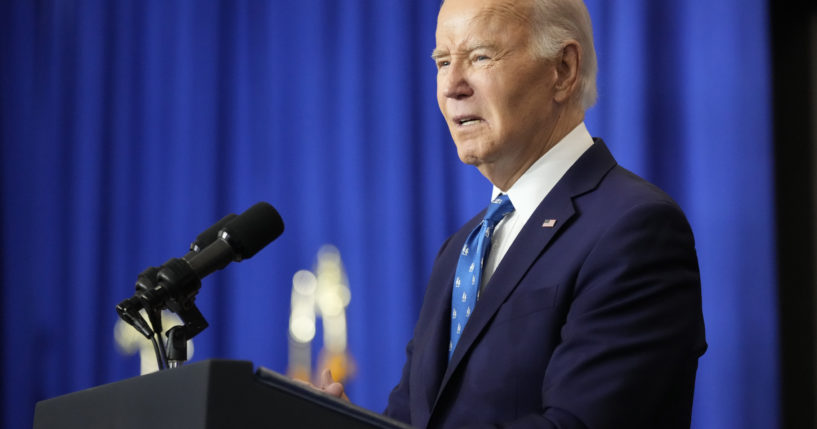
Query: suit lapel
column 531, row 242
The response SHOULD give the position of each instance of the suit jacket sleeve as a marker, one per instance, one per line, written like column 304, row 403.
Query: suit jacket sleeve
column 399, row 404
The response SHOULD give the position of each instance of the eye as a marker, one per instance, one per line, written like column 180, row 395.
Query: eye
column 443, row 63
column 478, row 58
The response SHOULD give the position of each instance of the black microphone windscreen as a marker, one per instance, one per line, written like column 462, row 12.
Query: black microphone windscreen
column 210, row 234
column 252, row 230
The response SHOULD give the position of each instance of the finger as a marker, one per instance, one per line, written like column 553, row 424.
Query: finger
column 334, row 389
column 326, row 378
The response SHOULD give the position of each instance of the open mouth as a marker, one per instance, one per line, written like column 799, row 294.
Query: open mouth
column 467, row 120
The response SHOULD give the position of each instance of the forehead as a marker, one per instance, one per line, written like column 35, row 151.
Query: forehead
column 461, row 20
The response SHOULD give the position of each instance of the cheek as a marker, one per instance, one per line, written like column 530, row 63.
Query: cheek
column 497, row 99
column 440, row 91
column 441, row 102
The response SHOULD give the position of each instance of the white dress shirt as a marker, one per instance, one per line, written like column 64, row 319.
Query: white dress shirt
column 529, row 191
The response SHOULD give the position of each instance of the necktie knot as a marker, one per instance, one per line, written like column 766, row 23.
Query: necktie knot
column 500, row 206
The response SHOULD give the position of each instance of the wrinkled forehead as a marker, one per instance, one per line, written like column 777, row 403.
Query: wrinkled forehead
column 485, row 16
column 508, row 12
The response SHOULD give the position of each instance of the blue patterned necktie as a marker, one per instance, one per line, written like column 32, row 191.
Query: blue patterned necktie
column 469, row 268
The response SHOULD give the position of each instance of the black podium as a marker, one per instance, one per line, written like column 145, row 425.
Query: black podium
column 208, row 394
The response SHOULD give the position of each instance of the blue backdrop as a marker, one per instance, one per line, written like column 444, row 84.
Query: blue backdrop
column 128, row 127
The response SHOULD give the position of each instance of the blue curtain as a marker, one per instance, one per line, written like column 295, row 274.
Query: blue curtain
column 128, row 127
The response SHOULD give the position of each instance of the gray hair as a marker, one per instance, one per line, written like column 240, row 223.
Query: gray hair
column 557, row 21
column 554, row 23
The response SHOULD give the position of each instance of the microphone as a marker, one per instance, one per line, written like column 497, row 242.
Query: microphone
column 208, row 236
column 240, row 238
column 147, row 279
column 233, row 238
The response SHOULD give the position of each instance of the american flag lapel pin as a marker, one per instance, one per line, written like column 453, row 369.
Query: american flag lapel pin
column 548, row 223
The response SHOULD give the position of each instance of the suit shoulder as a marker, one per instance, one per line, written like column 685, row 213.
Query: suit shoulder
column 622, row 189
column 622, row 197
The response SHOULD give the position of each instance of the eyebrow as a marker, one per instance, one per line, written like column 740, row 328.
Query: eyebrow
column 438, row 53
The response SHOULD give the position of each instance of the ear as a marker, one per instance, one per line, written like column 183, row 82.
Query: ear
column 568, row 67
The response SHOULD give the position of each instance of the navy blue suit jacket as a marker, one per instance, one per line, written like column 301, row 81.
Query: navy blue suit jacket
column 594, row 322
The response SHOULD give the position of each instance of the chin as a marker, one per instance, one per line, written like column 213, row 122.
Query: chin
column 473, row 152
column 469, row 158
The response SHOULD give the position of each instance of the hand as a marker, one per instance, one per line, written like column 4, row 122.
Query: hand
column 332, row 387
column 327, row 384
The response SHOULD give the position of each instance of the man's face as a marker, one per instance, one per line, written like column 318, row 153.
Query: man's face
column 495, row 95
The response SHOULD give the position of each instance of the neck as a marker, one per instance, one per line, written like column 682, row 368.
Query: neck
column 504, row 174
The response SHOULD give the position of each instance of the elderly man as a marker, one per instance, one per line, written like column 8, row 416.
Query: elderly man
column 574, row 300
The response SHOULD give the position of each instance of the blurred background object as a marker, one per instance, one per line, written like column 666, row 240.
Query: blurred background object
column 323, row 294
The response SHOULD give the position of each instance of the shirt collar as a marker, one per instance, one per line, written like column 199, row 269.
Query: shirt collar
column 540, row 178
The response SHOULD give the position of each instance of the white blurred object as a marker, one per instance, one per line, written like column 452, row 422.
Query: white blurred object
column 324, row 294
column 332, row 297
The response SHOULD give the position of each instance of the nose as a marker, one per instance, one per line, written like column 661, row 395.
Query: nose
column 453, row 82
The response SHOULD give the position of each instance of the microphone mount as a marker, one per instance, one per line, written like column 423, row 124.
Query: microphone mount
column 176, row 287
